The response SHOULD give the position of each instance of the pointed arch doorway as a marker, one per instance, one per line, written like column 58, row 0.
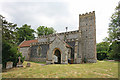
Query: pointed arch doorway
column 57, row 56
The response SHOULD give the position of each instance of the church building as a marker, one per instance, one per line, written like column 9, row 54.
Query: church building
column 77, row 46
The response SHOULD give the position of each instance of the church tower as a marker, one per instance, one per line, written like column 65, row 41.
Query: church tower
column 87, row 27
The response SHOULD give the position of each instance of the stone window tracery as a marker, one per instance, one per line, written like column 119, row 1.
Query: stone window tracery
column 39, row 49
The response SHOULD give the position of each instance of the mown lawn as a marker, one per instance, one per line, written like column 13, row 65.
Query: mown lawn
column 101, row 69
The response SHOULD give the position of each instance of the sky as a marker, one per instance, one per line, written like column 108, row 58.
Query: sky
column 59, row 13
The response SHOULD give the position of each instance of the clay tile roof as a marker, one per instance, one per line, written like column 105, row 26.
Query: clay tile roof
column 27, row 43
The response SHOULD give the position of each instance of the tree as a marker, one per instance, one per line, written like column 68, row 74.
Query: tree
column 114, row 28
column 25, row 33
column 8, row 32
column 114, row 35
column 10, row 53
column 9, row 48
column 102, row 50
column 42, row 30
column 114, row 50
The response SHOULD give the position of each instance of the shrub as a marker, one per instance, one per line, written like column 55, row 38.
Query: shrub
column 102, row 55
column 114, row 51
column 10, row 53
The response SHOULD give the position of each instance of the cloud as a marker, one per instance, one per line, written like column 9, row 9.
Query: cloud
column 34, row 13
column 58, row 13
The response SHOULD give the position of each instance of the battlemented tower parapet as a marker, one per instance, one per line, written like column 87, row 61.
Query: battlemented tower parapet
column 87, row 27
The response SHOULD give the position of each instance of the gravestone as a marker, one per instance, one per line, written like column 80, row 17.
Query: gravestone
column 28, row 65
column 19, row 64
column 9, row 65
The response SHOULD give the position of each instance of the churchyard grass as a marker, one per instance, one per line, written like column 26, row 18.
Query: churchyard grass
column 38, row 62
column 101, row 69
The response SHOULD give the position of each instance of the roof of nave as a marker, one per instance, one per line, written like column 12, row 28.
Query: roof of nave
column 27, row 43
column 50, row 35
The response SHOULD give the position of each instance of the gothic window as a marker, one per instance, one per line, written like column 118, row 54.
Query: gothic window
column 39, row 51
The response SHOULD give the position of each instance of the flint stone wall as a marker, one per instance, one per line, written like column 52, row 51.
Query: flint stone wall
column 57, row 43
column 25, row 52
column 44, row 48
column 88, row 36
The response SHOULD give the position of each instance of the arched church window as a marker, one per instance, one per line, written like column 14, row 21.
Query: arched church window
column 39, row 51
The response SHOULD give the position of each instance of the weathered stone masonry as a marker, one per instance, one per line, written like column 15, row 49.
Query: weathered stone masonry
column 74, row 46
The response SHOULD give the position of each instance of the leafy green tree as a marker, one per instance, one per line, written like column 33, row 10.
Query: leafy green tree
column 102, row 50
column 10, row 53
column 114, row 28
column 114, row 35
column 25, row 33
column 114, row 50
column 42, row 30
column 9, row 47
column 8, row 32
